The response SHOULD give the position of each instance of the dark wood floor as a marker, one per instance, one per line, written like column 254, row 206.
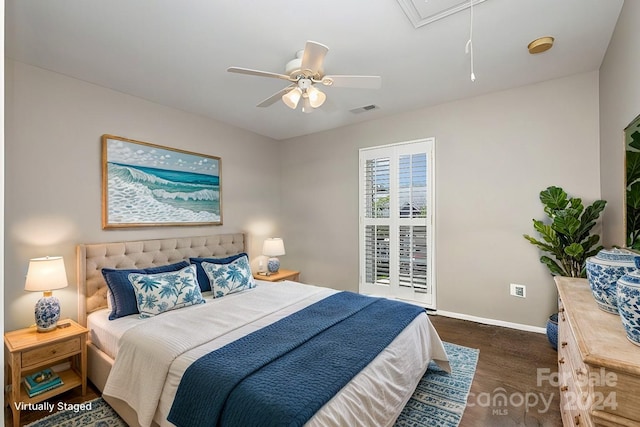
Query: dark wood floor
column 507, row 369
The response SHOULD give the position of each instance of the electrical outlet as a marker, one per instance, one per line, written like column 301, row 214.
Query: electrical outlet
column 518, row 290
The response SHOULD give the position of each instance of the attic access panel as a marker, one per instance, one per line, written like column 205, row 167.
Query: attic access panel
column 423, row 12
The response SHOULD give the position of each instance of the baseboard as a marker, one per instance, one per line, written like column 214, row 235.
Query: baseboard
column 492, row 322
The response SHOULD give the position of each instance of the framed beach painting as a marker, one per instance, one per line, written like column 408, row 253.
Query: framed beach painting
column 146, row 185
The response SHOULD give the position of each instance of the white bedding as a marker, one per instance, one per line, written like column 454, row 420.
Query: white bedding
column 147, row 378
column 105, row 334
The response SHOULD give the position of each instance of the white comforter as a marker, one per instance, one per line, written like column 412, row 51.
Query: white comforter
column 153, row 355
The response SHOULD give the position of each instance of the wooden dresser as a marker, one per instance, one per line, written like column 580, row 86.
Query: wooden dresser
column 598, row 367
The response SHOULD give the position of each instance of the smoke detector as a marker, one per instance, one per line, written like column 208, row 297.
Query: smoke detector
column 540, row 45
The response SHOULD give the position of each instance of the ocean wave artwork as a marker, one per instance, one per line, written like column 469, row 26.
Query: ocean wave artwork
column 151, row 185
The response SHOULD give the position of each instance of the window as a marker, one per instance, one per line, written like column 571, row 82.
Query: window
column 396, row 221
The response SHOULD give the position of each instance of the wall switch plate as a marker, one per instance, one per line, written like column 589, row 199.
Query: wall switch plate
column 518, row 290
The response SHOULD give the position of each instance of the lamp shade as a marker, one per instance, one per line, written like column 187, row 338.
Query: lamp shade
column 292, row 97
column 46, row 274
column 273, row 247
column 316, row 97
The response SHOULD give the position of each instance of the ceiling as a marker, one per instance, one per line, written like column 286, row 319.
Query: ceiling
column 176, row 53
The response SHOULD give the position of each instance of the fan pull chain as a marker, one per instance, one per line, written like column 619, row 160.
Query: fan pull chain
column 469, row 46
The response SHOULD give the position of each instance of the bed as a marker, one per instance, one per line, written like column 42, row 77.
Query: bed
column 139, row 364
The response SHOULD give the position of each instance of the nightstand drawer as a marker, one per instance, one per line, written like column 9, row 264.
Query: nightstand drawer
column 49, row 352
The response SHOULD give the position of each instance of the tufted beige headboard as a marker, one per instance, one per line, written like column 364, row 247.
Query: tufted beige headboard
column 142, row 254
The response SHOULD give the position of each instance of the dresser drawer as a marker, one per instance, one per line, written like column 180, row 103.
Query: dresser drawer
column 574, row 406
column 600, row 373
column 49, row 352
column 569, row 359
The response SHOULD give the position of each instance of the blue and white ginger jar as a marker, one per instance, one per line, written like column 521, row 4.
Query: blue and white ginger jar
column 47, row 313
column 603, row 272
column 628, row 293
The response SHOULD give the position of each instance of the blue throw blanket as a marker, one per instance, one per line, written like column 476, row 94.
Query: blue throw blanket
column 283, row 373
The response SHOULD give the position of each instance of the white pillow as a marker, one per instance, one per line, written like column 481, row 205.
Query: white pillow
column 160, row 292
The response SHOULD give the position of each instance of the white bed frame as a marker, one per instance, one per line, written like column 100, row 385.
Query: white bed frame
column 92, row 258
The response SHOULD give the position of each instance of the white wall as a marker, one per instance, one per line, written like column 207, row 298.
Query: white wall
column 619, row 105
column 494, row 154
column 53, row 182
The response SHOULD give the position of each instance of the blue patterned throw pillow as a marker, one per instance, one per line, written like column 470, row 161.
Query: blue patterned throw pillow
column 234, row 276
column 203, row 280
column 122, row 295
column 157, row 293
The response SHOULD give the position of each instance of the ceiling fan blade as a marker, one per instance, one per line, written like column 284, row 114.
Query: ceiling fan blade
column 275, row 97
column 313, row 57
column 358, row 82
column 258, row 73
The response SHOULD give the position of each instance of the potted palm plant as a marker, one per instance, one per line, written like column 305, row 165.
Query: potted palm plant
column 566, row 238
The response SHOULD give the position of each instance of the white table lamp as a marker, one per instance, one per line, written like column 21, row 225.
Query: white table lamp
column 45, row 275
column 273, row 248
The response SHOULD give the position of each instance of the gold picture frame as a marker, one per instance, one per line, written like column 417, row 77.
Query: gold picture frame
column 148, row 185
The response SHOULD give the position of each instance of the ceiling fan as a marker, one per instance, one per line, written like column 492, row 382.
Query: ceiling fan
column 304, row 72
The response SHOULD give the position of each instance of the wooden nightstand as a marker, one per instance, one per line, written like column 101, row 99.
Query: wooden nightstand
column 31, row 351
column 281, row 275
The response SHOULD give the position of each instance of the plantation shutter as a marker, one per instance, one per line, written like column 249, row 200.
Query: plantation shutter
column 396, row 183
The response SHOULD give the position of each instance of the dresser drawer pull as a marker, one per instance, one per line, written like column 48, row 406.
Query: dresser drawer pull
column 564, row 344
column 564, row 388
column 576, row 420
column 561, row 360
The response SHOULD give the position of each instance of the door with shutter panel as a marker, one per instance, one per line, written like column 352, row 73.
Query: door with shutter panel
column 396, row 221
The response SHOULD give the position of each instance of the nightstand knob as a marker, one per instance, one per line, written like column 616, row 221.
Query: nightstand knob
column 564, row 344
column 564, row 388
column 561, row 361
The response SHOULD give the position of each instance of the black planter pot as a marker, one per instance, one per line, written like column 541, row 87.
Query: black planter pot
column 552, row 330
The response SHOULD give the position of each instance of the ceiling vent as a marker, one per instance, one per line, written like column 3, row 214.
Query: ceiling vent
column 365, row 108
column 421, row 12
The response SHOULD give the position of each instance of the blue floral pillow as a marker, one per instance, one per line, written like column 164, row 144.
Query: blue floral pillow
column 234, row 276
column 160, row 292
column 122, row 296
column 203, row 280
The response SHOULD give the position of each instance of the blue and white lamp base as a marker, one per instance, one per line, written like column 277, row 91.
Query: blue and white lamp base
column 273, row 265
column 47, row 313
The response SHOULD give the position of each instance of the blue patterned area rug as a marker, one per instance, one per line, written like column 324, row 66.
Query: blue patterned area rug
column 100, row 415
column 439, row 399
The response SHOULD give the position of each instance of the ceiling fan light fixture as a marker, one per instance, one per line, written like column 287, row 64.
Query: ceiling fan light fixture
column 305, row 71
column 292, row 98
column 316, row 97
